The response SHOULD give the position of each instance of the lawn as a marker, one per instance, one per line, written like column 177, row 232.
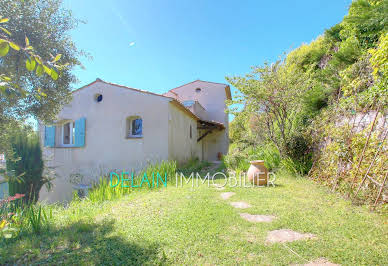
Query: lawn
column 186, row 225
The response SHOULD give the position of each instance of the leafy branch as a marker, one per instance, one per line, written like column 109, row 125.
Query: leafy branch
column 34, row 62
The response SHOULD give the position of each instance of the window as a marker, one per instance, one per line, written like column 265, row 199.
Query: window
column 191, row 132
column 68, row 133
column 188, row 103
column 98, row 97
column 198, row 90
column 134, row 127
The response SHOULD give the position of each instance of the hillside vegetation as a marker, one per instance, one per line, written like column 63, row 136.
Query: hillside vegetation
column 321, row 111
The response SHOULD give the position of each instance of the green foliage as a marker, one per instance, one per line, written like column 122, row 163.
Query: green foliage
column 348, row 52
column 104, row 191
column 26, row 172
column 366, row 20
column 272, row 99
column 238, row 159
column 34, row 38
column 37, row 218
column 337, row 163
column 194, row 165
column 379, row 62
column 309, row 56
column 306, row 105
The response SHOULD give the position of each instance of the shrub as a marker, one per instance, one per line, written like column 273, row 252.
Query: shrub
column 299, row 157
column 194, row 165
column 238, row 159
column 26, row 170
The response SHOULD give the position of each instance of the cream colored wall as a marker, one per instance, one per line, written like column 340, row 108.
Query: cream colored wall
column 212, row 97
column 106, row 146
column 198, row 110
column 180, row 147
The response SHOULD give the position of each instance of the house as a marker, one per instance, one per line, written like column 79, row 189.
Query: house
column 109, row 127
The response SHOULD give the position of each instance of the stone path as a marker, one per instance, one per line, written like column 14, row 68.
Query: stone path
column 276, row 236
column 227, row 195
column 286, row 235
column 255, row 218
column 320, row 262
column 240, row 204
column 218, row 186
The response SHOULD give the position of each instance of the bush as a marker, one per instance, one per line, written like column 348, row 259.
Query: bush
column 25, row 171
column 299, row 158
column 238, row 159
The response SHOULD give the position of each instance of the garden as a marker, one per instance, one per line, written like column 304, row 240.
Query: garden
column 205, row 224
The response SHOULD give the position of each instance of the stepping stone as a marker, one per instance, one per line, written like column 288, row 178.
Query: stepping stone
column 227, row 195
column 218, row 186
column 287, row 235
column 240, row 205
column 320, row 262
column 257, row 218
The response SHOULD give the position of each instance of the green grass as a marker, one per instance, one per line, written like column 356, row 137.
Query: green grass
column 185, row 225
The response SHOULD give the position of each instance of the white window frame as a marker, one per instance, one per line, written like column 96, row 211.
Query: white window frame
column 72, row 138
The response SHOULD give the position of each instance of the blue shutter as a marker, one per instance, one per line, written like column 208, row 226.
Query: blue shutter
column 80, row 132
column 49, row 136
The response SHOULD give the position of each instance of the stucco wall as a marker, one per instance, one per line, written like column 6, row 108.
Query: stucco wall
column 212, row 97
column 106, row 146
column 197, row 109
column 180, row 146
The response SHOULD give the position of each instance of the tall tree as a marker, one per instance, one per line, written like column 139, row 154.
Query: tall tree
column 45, row 26
column 27, row 171
column 272, row 96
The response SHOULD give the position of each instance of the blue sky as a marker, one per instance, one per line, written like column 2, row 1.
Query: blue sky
column 158, row 45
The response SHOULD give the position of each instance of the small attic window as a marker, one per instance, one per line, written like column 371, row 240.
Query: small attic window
column 98, row 97
column 188, row 103
column 198, row 90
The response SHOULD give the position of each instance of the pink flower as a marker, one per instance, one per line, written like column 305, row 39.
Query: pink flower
column 17, row 196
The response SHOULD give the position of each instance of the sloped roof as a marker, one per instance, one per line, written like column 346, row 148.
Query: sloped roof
column 227, row 87
column 121, row 86
column 172, row 100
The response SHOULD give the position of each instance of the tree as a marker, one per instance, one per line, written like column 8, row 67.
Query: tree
column 44, row 26
column 272, row 96
column 27, row 171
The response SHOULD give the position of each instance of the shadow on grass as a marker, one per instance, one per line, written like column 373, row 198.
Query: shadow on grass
column 81, row 243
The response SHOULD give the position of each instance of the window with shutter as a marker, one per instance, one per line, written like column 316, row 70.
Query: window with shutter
column 73, row 133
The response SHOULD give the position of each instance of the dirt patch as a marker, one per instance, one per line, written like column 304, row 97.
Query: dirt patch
column 227, row 195
column 257, row 218
column 287, row 235
column 320, row 262
column 240, row 204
